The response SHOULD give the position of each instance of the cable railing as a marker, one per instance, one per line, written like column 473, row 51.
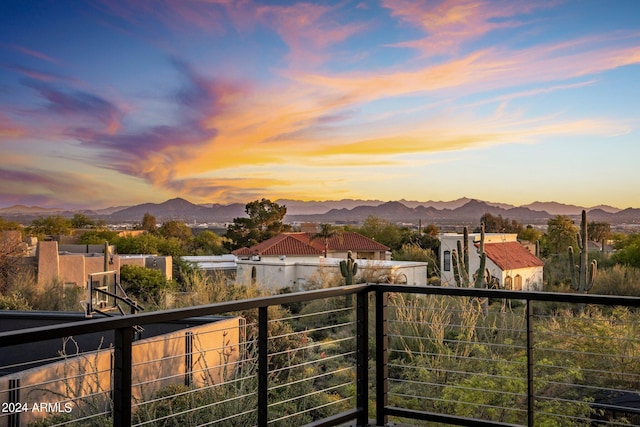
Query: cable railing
column 367, row 354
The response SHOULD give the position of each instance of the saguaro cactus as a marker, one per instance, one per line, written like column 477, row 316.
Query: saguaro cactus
column 584, row 274
column 460, row 260
column 348, row 269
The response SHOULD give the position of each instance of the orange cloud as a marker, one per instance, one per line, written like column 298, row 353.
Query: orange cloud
column 451, row 23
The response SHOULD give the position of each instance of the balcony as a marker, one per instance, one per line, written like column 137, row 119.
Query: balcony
column 368, row 354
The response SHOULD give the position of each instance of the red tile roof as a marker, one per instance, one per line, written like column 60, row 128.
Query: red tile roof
column 301, row 244
column 511, row 256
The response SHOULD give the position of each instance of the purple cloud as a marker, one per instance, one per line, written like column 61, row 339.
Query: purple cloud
column 77, row 103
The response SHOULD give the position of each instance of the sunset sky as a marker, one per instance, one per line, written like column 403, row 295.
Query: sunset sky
column 110, row 103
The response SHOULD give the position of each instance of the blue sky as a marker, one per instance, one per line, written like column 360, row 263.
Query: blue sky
column 107, row 103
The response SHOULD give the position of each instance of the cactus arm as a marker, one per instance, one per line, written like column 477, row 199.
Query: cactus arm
column 355, row 268
column 465, row 234
column 456, row 268
column 343, row 268
column 573, row 270
column 592, row 274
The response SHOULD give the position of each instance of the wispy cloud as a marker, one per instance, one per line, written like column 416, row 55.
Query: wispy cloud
column 78, row 104
column 449, row 24
column 9, row 129
column 33, row 53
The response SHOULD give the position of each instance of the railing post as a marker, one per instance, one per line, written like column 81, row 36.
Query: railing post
column 122, row 369
column 530, row 365
column 362, row 355
column 14, row 397
column 382, row 357
column 263, row 366
column 188, row 358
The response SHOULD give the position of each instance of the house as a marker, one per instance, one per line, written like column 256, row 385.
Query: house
column 303, row 246
column 72, row 264
column 291, row 260
column 514, row 267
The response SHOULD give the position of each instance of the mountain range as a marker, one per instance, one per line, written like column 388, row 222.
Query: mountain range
column 345, row 211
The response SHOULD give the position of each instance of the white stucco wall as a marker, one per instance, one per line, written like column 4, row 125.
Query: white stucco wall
column 531, row 276
column 296, row 273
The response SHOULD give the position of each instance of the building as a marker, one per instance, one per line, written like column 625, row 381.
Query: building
column 72, row 264
column 508, row 261
column 303, row 246
column 297, row 274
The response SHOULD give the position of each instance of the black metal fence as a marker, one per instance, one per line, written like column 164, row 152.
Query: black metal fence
column 370, row 353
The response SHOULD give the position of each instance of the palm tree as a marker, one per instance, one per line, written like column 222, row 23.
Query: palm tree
column 327, row 231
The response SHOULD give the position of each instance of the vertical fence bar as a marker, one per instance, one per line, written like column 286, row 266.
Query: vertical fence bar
column 530, row 365
column 382, row 356
column 362, row 356
column 14, row 397
column 122, row 360
column 188, row 358
column 263, row 366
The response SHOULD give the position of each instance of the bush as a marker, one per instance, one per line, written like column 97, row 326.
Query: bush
column 618, row 280
column 144, row 284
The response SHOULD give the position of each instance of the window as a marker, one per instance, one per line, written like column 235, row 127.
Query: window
column 508, row 283
column 447, row 261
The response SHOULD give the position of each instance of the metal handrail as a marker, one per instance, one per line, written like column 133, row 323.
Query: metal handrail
column 123, row 329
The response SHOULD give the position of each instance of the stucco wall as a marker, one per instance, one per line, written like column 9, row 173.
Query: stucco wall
column 157, row 361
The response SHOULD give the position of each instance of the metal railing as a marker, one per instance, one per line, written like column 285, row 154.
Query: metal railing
column 360, row 354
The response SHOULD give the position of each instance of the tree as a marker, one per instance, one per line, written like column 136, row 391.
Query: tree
column 148, row 222
column 530, row 234
column 142, row 283
column 264, row 221
column 383, row 231
column 207, row 243
column 98, row 237
column 561, row 233
column 9, row 225
column 80, row 220
column 497, row 224
column 599, row 231
column 51, row 225
column 628, row 251
column 177, row 229
column 327, row 231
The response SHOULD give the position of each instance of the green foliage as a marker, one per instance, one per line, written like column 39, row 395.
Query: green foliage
column 599, row 231
column 409, row 252
column 98, row 237
column 175, row 229
column 9, row 225
column 628, row 250
column 264, row 221
column 144, row 244
column 530, row 234
column 497, row 224
column 144, row 284
column 53, row 296
column 80, row 220
column 560, row 234
column 148, row 222
column 51, row 225
column 327, row 231
column 383, row 231
column 14, row 301
column 618, row 280
column 208, row 243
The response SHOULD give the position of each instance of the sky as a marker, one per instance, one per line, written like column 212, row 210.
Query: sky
column 113, row 103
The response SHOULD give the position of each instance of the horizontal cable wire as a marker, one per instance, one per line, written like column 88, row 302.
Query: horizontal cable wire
column 441, row 385
column 315, row 377
column 312, row 393
column 309, row 410
column 299, row 365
